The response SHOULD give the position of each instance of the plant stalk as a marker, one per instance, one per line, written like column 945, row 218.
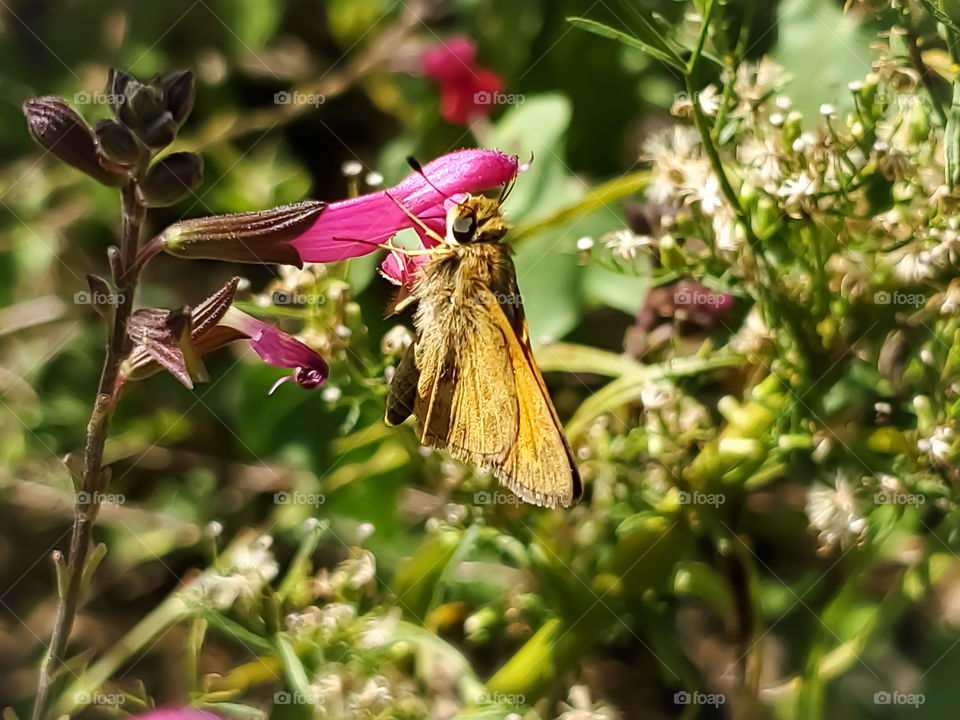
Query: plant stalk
column 87, row 503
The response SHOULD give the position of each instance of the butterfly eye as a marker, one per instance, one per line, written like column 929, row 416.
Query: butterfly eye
column 464, row 228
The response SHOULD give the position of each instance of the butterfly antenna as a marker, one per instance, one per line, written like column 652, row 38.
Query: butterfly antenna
column 418, row 168
column 420, row 223
column 507, row 189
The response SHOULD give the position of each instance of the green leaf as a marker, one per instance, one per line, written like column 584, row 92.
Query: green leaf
column 567, row 357
column 941, row 16
column 951, row 139
column 627, row 388
column 547, row 267
column 823, row 50
column 595, row 199
column 252, row 22
column 652, row 42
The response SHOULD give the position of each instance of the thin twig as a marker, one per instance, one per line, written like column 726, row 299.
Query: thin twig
column 88, row 502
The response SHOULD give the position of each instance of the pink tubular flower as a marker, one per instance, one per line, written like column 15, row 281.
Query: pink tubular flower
column 213, row 324
column 178, row 714
column 277, row 348
column 355, row 227
column 314, row 231
column 467, row 90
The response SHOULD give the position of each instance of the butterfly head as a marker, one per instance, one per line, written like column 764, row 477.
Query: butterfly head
column 476, row 219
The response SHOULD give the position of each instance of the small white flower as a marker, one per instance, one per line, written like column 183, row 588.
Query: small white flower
column 580, row 707
column 798, row 188
column 836, row 513
column 709, row 99
column 627, row 245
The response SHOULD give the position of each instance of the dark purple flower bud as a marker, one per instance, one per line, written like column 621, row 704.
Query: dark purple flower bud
column 171, row 179
column 179, row 91
column 145, row 102
column 59, row 129
column 117, row 144
column 118, row 83
column 159, row 132
column 260, row 237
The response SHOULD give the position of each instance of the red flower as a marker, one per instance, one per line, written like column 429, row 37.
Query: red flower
column 467, row 90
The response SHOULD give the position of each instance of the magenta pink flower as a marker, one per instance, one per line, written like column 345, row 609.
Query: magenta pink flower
column 354, row 227
column 467, row 89
column 277, row 348
column 213, row 324
column 319, row 232
column 178, row 714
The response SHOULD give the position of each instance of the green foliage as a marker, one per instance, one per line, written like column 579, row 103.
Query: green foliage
column 771, row 490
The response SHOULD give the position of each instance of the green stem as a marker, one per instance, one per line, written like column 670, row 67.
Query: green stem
column 87, row 504
column 170, row 611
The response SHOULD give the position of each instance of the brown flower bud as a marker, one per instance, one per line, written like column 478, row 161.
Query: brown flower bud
column 55, row 126
column 117, row 144
column 159, row 132
column 171, row 179
column 258, row 237
column 179, row 91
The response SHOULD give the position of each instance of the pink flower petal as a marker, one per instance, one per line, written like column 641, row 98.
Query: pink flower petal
column 449, row 59
column 356, row 226
column 466, row 88
column 178, row 714
column 279, row 349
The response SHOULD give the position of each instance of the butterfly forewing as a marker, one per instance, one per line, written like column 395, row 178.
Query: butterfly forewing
column 479, row 393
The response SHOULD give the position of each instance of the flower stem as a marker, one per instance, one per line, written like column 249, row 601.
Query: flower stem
column 87, row 503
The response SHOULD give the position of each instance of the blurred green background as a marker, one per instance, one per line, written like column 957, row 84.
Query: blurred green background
column 614, row 595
